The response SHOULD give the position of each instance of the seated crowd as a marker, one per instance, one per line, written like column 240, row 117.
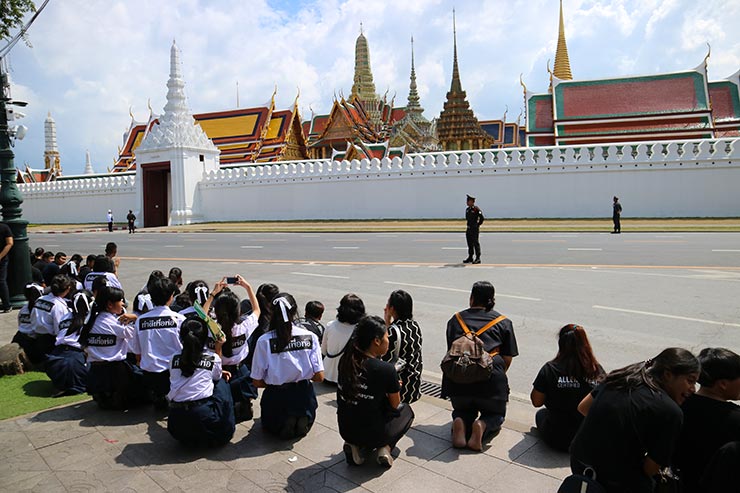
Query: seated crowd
column 202, row 355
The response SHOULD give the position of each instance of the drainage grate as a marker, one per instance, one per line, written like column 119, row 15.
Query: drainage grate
column 431, row 389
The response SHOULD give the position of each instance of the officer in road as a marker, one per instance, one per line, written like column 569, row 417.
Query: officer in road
column 474, row 218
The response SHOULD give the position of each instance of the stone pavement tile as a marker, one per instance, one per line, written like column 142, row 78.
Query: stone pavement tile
column 372, row 476
column 167, row 453
column 428, row 407
column 427, row 481
column 283, row 475
column 322, row 445
column 9, row 425
column 45, row 438
column 525, row 480
column 197, row 481
column 543, row 459
column 326, row 482
column 21, row 467
column 469, row 468
column 438, row 425
column 39, row 483
column 326, row 414
column 108, row 480
column 510, row 444
column 86, row 453
column 418, row 447
column 14, row 443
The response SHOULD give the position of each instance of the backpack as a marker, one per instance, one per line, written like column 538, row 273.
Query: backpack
column 466, row 361
column 582, row 483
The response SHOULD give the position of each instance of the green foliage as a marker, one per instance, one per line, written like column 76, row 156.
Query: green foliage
column 11, row 15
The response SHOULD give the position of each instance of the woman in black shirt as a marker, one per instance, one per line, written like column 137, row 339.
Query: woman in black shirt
column 562, row 384
column 370, row 413
column 633, row 421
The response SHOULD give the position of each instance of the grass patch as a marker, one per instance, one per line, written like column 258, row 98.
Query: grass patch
column 30, row 392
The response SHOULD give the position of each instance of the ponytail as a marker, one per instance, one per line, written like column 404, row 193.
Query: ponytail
column 226, row 307
column 284, row 311
column 676, row 361
column 106, row 294
column 353, row 357
column 32, row 292
column 193, row 336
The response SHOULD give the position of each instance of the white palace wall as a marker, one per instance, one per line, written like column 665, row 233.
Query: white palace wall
column 663, row 179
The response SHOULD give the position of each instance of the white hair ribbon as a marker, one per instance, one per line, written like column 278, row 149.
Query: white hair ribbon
column 201, row 294
column 73, row 268
column 36, row 287
column 284, row 306
column 84, row 298
column 145, row 300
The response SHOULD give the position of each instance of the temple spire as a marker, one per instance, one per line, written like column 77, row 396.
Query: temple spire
column 363, row 87
column 456, row 85
column 88, row 164
column 562, row 63
column 413, row 104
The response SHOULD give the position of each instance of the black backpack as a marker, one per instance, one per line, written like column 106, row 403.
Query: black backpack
column 582, row 483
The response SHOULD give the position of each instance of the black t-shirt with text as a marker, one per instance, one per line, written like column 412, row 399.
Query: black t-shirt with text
column 562, row 392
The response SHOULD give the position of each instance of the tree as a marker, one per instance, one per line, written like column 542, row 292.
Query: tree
column 11, row 15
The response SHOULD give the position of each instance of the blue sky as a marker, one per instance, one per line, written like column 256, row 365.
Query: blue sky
column 93, row 59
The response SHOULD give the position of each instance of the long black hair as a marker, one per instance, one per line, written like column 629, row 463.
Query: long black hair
column 284, row 311
column 575, row 354
column 265, row 294
column 32, row 292
column 677, row 361
column 106, row 294
column 196, row 294
column 483, row 295
column 353, row 358
column 82, row 303
column 402, row 302
column 226, row 308
column 193, row 335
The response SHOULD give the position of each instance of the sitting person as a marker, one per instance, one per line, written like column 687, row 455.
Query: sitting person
column 197, row 291
column 102, row 267
column 175, row 276
column 633, row 421
column 351, row 309
column 157, row 340
column 561, row 385
column 369, row 409
column 226, row 306
column 201, row 409
column 312, row 321
column 143, row 300
column 26, row 336
column 710, row 420
column 113, row 382
column 67, row 366
column 286, row 361
column 47, row 312
column 404, row 337
column 479, row 408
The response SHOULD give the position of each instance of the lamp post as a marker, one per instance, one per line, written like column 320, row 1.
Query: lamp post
column 19, row 268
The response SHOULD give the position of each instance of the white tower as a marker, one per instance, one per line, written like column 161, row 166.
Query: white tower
column 88, row 164
column 179, row 145
column 51, row 152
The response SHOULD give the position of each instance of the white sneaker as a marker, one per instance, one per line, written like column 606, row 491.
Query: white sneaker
column 353, row 455
column 384, row 456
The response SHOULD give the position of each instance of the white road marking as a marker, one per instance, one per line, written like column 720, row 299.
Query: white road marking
column 173, row 246
column 400, row 266
column 310, row 236
column 346, row 248
column 566, row 235
column 318, row 275
column 52, row 245
column 251, row 246
column 454, row 248
column 668, row 236
column 664, row 315
column 585, row 249
column 455, row 290
column 201, row 239
column 726, row 250
column 351, row 241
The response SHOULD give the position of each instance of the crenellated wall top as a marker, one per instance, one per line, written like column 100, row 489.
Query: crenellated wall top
column 118, row 182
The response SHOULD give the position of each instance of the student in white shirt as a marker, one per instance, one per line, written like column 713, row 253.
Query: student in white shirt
column 26, row 337
column 226, row 306
column 157, row 340
column 66, row 366
column 103, row 267
column 201, row 408
column 112, row 382
column 48, row 311
column 287, row 359
column 196, row 291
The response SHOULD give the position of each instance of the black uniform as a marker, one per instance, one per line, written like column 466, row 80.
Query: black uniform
column 474, row 218
column 131, row 218
column 616, row 215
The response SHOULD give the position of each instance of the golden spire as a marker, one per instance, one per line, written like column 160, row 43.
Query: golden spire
column 562, row 63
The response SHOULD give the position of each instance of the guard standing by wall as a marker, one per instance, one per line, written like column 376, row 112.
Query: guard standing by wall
column 131, row 219
column 617, row 215
column 474, row 218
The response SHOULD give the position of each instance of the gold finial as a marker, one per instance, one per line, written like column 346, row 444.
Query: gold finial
column 709, row 53
column 131, row 113
column 521, row 82
column 562, row 63
column 361, row 28
column 149, row 105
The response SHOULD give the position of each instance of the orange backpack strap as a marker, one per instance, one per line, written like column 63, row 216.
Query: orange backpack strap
column 462, row 323
column 490, row 324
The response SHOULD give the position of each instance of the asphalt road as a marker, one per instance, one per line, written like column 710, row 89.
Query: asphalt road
column 634, row 293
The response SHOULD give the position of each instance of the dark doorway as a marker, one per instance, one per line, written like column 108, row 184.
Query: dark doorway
column 156, row 178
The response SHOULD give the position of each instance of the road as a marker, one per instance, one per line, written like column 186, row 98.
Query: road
column 635, row 293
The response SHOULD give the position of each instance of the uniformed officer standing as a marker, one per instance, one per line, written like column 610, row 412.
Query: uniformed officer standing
column 617, row 215
column 474, row 218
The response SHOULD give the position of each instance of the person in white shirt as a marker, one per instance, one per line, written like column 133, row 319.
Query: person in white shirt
column 196, row 291
column 109, row 220
column 337, row 333
column 48, row 311
column 226, row 307
column 157, row 340
column 103, row 267
column 286, row 361
column 201, row 408
column 66, row 366
column 26, row 337
column 113, row 382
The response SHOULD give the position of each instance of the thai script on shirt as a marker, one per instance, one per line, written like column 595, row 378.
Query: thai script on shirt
column 205, row 363
column 297, row 343
column 101, row 340
column 157, row 323
column 44, row 305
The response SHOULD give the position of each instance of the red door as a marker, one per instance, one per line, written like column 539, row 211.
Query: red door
column 156, row 178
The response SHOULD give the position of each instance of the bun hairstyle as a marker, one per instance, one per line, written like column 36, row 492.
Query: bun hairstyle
column 155, row 274
column 82, row 303
column 175, row 276
column 197, row 291
column 575, row 354
column 193, row 336
column 483, row 295
column 61, row 284
column 351, row 309
column 226, row 308
column 106, row 294
column 32, row 292
column 353, row 357
column 677, row 361
column 284, row 311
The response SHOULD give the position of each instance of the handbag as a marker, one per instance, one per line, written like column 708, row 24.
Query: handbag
column 582, row 483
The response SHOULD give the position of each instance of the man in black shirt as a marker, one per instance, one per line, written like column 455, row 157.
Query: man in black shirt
column 6, row 243
column 474, row 218
column 616, row 216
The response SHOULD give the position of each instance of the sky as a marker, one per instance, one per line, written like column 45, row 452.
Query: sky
column 93, row 60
